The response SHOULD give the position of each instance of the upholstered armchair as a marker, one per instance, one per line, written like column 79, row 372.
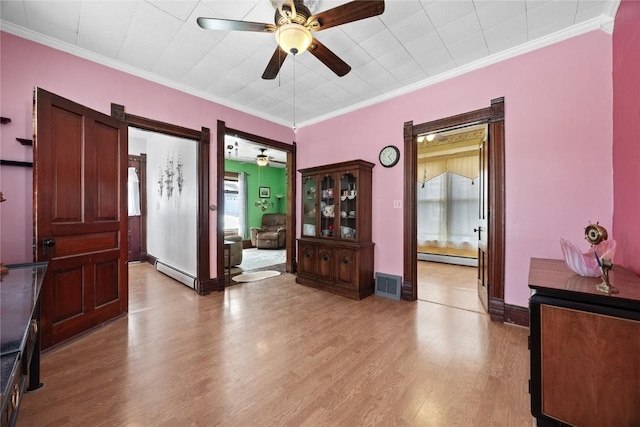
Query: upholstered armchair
column 236, row 250
column 272, row 233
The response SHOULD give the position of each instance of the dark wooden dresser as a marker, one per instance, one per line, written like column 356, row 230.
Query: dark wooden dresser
column 19, row 336
column 585, row 347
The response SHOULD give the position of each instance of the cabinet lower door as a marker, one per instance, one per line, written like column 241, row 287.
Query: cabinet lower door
column 324, row 263
column 306, row 264
column 346, row 268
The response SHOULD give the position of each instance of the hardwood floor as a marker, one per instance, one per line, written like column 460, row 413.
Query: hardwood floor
column 448, row 284
column 277, row 353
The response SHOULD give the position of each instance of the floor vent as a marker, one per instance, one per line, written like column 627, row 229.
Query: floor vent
column 388, row 285
column 175, row 273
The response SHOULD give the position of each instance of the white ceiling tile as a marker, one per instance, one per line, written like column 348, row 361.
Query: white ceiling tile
column 408, row 73
column 185, row 51
column 180, row 9
column 370, row 70
column 13, row 11
column 550, row 17
column 442, row 12
column 396, row 11
column 395, row 58
column 150, row 32
column 57, row 19
column 505, row 34
column 491, row 13
column 362, row 30
column 459, row 29
column 412, row 27
column 104, row 25
column 356, row 57
column 437, row 61
column 206, row 73
column 469, row 49
column 380, row 44
column 588, row 9
column 225, row 9
column 424, row 44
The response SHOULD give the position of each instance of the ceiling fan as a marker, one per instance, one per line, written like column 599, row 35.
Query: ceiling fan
column 293, row 26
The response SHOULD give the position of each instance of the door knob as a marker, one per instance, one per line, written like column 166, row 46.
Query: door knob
column 49, row 242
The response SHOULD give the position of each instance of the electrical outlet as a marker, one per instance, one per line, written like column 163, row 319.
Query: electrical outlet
column 397, row 204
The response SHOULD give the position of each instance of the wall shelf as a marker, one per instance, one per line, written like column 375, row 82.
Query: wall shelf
column 16, row 163
column 5, row 120
column 24, row 141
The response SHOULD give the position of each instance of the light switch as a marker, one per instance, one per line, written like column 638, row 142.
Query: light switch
column 397, row 204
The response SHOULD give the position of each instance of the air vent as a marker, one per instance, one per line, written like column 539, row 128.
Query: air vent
column 388, row 285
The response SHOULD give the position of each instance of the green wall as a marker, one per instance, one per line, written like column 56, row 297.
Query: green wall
column 266, row 176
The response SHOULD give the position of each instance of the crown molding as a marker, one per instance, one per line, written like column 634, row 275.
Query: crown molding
column 603, row 22
column 28, row 34
column 573, row 31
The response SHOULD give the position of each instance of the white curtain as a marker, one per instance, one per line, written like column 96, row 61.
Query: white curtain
column 448, row 212
column 133, row 192
column 242, row 205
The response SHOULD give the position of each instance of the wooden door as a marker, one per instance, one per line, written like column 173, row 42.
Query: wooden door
column 483, row 225
column 80, row 178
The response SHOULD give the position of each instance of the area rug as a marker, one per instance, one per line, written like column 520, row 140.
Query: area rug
column 255, row 276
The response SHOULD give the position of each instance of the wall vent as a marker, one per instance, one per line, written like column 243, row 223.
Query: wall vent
column 175, row 273
column 388, row 285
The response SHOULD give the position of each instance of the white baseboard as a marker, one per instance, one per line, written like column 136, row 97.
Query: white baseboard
column 447, row 259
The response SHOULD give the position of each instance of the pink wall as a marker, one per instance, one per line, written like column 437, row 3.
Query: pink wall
column 626, row 134
column 558, row 104
column 25, row 64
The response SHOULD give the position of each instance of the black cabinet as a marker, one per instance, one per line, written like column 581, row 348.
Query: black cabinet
column 19, row 336
column 585, row 347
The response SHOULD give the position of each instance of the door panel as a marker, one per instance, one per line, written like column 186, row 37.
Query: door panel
column 80, row 159
column 483, row 222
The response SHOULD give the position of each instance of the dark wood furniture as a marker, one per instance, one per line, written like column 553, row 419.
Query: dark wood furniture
column 585, row 347
column 19, row 336
column 335, row 251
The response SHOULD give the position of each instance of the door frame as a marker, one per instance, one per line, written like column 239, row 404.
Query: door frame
column 494, row 117
column 290, row 149
column 202, row 139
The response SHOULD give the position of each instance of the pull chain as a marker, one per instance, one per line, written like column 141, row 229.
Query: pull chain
column 294, row 93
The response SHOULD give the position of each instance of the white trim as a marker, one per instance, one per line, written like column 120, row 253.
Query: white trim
column 603, row 22
column 28, row 34
column 447, row 259
column 574, row 31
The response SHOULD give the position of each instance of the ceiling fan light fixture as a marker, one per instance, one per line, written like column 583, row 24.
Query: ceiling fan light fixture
column 294, row 38
column 262, row 159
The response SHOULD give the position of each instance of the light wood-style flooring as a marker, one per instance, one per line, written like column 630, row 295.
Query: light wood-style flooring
column 449, row 284
column 277, row 353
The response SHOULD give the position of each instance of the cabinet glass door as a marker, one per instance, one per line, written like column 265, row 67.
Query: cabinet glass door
column 348, row 206
column 309, row 207
column 328, row 199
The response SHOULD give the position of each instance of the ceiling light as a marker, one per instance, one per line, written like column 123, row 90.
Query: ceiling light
column 293, row 38
column 262, row 159
column 421, row 138
column 431, row 137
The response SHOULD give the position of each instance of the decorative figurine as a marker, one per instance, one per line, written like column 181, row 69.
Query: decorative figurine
column 597, row 260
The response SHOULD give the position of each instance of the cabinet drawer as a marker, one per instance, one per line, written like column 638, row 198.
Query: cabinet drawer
column 14, row 394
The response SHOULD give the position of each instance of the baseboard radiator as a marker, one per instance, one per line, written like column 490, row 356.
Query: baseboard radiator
column 388, row 285
column 176, row 273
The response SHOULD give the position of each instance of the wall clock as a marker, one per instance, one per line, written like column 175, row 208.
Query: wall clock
column 389, row 156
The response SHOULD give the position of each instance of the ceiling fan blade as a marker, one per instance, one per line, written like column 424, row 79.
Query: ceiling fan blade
column 329, row 58
column 232, row 25
column 349, row 12
column 276, row 61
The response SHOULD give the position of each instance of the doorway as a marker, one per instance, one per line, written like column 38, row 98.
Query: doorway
column 448, row 202
column 199, row 139
column 491, row 226
column 287, row 207
column 162, row 203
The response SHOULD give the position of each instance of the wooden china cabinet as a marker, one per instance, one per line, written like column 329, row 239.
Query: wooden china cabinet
column 335, row 251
